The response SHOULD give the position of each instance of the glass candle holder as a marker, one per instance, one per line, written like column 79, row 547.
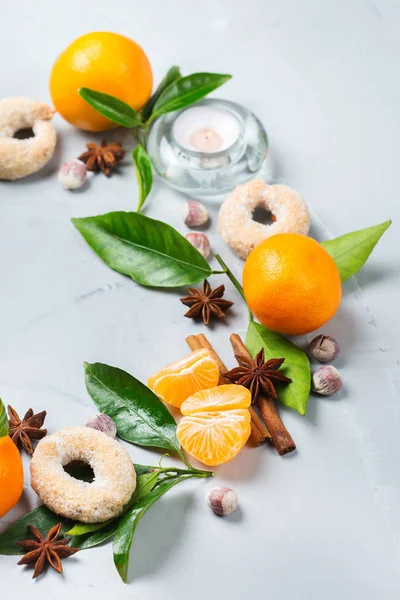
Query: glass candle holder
column 209, row 148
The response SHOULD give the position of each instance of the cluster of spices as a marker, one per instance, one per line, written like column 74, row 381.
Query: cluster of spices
column 234, row 405
column 104, row 158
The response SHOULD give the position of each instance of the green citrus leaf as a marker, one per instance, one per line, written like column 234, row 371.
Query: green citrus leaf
column 126, row 529
column 95, row 538
column 144, row 173
column 140, row 416
column 296, row 365
column 351, row 251
column 151, row 252
column 3, row 420
column 143, row 469
column 186, row 91
column 117, row 111
column 172, row 75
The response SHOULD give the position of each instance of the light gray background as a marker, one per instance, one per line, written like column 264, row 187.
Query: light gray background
column 323, row 77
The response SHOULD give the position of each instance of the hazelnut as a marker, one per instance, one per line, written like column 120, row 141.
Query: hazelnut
column 326, row 381
column 222, row 500
column 200, row 242
column 324, row 348
column 194, row 214
column 72, row 174
column 103, row 423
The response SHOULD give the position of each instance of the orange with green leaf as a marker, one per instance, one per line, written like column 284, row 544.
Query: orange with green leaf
column 11, row 470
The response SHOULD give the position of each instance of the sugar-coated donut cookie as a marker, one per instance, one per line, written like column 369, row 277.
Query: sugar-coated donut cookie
column 19, row 158
column 103, row 498
column 237, row 226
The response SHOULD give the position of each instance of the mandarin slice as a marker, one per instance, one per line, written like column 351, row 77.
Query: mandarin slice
column 223, row 397
column 176, row 382
column 215, row 437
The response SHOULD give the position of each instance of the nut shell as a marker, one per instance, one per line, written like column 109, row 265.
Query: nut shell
column 222, row 501
column 72, row 174
column 201, row 242
column 103, row 423
column 324, row 348
column 326, row 381
column 194, row 214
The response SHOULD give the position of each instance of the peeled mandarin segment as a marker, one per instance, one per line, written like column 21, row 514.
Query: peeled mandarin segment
column 222, row 397
column 178, row 381
column 215, row 438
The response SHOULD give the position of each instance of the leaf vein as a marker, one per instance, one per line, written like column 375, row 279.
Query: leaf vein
column 131, row 409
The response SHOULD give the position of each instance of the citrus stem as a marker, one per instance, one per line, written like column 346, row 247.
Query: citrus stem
column 139, row 135
column 231, row 276
column 233, row 279
column 191, row 469
column 191, row 472
column 149, row 121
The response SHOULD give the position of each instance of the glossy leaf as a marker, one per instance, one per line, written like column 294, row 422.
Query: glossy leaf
column 172, row 75
column 117, row 111
column 144, row 485
column 351, row 251
column 94, row 538
column 126, row 529
column 151, row 252
column 296, row 365
column 144, row 173
column 140, row 416
column 42, row 518
column 3, row 420
column 141, row 469
column 187, row 90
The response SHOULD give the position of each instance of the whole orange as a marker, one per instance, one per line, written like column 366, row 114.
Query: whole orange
column 11, row 470
column 106, row 62
column 291, row 284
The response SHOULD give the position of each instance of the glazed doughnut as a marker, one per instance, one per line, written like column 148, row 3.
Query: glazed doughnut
column 114, row 475
column 19, row 158
column 242, row 233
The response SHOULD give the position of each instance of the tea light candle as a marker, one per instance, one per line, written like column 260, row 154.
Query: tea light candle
column 206, row 129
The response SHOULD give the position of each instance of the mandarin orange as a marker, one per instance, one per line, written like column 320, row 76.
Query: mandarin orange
column 106, row 62
column 291, row 284
column 11, row 470
column 216, row 423
column 176, row 382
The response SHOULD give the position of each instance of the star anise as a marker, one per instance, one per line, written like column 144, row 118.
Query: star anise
column 102, row 158
column 46, row 550
column 206, row 303
column 22, row 431
column 257, row 375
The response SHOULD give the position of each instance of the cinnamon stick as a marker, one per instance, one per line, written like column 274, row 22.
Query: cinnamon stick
column 259, row 432
column 280, row 436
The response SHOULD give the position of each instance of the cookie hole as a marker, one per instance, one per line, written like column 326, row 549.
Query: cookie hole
column 24, row 134
column 80, row 470
column 263, row 216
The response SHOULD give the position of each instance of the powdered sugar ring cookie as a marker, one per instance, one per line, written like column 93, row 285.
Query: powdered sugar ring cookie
column 103, row 498
column 19, row 158
column 242, row 233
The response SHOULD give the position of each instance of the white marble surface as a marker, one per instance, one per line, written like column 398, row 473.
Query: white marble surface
column 323, row 77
